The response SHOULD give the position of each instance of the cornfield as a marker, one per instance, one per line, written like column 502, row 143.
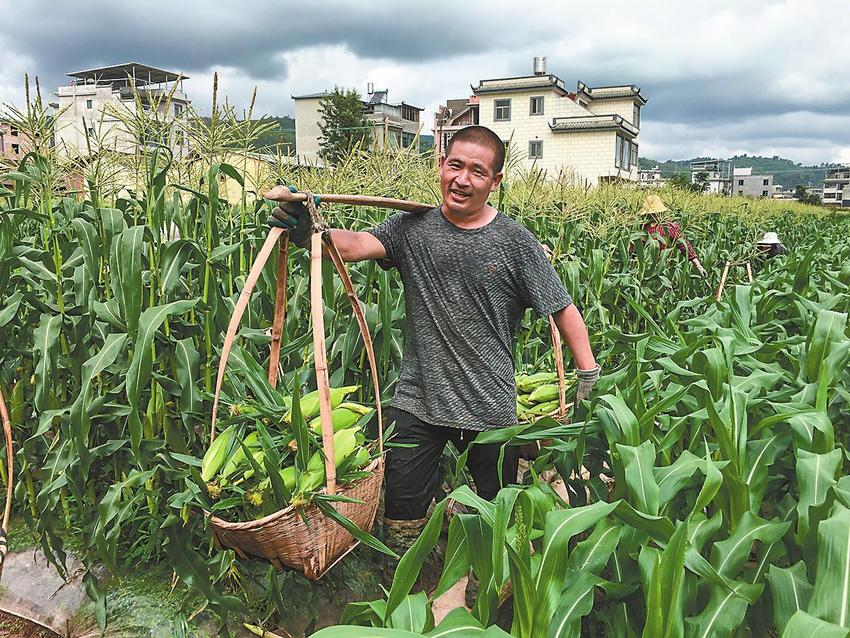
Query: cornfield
column 706, row 475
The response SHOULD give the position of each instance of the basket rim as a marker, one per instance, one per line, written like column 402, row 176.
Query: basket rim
column 247, row 525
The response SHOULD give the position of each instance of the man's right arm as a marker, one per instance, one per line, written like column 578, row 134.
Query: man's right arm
column 357, row 246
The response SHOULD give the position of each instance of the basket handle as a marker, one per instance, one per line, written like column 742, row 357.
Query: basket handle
column 559, row 367
column 10, row 467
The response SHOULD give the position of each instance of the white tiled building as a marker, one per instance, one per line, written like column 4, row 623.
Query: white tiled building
column 590, row 135
column 392, row 124
column 651, row 177
column 90, row 105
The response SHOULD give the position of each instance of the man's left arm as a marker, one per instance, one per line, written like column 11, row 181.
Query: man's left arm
column 574, row 333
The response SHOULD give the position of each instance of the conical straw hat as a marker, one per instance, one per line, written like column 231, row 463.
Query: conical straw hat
column 653, row 204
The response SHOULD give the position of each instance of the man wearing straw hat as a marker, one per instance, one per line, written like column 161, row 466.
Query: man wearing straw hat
column 769, row 246
column 469, row 272
column 667, row 232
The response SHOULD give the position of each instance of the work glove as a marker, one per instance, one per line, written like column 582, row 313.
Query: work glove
column 295, row 218
column 586, row 380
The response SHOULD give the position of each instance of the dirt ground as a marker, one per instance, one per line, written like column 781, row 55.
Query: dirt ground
column 15, row 627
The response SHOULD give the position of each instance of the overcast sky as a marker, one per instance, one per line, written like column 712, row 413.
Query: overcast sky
column 722, row 77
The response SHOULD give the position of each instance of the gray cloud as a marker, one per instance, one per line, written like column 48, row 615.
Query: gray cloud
column 748, row 75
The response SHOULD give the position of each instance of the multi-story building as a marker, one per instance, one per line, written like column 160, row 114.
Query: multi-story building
column 395, row 125
column 651, row 177
column 836, row 186
column 749, row 185
column 452, row 117
column 589, row 135
column 716, row 174
column 93, row 106
column 13, row 145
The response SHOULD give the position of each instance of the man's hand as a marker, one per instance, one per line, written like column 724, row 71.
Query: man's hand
column 294, row 217
column 586, row 380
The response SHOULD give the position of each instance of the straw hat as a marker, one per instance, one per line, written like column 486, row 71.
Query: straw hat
column 770, row 238
column 652, row 204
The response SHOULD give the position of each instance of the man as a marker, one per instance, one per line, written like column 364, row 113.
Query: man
column 770, row 246
column 469, row 272
column 667, row 232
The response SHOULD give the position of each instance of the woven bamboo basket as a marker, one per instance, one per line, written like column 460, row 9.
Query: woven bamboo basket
column 303, row 538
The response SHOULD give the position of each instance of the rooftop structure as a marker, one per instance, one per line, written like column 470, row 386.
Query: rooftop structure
column 90, row 104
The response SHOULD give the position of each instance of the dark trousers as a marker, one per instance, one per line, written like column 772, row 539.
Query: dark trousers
column 413, row 474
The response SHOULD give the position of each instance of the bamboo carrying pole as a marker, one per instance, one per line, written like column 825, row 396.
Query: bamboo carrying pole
column 745, row 264
column 284, row 195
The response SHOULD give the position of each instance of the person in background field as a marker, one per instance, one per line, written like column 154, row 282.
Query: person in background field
column 667, row 232
column 769, row 246
column 469, row 272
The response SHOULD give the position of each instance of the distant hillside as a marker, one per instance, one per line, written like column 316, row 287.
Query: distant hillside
column 284, row 133
column 784, row 171
column 426, row 142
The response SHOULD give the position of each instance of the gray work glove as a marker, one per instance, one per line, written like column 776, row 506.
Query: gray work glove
column 586, row 380
column 295, row 218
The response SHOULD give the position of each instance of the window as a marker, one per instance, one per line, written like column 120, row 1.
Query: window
column 91, row 131
column 623, row 153
column 618, row 152
column 764, row 193
column 407, row 139
column 13, row 131
column 535, row 106
column 178, row 109
column 765, row 182
column 16, row 148
column 90, row 104
column 740, row 182
column 502, row 110
column 636, row 116
column 634, row 154
column 740, row 192
column 535, row 149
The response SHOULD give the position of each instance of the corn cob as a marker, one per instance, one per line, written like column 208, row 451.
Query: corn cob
column 362, row 410
column 342, row 418
column 310, row 401
column 216, row 455
column 345, row 442
column 532, row 381
column 544, row 408
column 252, row 441
column 544, row 393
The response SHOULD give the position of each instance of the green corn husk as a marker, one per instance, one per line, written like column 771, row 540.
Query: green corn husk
column 544, row 408
column 544, row 393
column 345, row 443
column 342, row 418
column 252, row 441
column 216, row 455
column 362, row 410
column 532, row 381
column 310, row 401
column 362, row 458
column 524, row 400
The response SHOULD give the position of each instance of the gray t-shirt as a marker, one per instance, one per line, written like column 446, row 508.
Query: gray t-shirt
column 465, row 293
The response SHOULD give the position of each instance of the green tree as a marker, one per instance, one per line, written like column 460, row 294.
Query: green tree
column 343, row 124
column 802, row 194
column 700, row 184
column 680, row 180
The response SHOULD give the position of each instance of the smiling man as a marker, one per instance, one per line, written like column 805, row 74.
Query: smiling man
column 469, row 273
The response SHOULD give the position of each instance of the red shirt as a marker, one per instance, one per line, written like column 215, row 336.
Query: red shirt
column 670, row 233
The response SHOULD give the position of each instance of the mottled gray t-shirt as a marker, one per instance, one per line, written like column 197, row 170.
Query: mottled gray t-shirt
column 465, row 293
